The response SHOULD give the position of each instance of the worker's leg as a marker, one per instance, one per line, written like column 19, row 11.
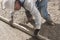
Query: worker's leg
column 29, row 5
column 42, row 7
column 44, row 13
column 46, row 16
column 37, row 15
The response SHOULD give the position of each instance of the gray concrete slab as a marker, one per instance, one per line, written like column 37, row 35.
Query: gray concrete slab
column 9, row 33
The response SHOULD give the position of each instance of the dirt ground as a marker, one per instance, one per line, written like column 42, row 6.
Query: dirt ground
column 51, row 32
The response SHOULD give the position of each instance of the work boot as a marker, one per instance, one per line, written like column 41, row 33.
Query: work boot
column 50, row 23
column 36, row 32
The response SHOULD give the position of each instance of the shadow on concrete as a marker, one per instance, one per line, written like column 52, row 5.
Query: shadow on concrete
column 51, row 32
column 32, row 38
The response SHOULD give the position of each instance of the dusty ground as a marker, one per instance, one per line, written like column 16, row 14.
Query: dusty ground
column 51, row 32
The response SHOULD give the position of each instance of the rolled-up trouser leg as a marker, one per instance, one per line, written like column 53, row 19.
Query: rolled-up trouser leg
column 29, row 5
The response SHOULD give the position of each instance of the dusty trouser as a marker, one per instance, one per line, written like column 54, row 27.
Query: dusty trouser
column 30, row 6
column 42, row 7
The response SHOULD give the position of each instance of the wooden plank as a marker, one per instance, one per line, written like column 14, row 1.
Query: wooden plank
column 15, row 25
column 22, row 28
